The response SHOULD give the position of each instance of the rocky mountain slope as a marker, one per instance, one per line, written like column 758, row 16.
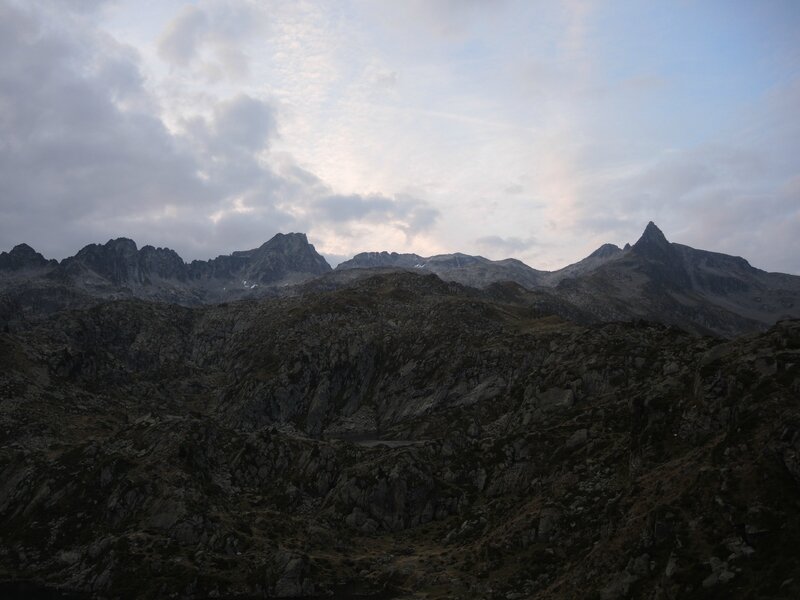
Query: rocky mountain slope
column 31, row 285
column 704, row 292
column 474, row 271
column 701, row 291
column 396, row 437
column 23, row 258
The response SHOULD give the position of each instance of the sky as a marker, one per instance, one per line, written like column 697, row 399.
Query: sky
column 534, row 129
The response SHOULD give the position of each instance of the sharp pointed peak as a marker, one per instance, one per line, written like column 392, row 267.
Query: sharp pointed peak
column 653, row 230
column 21, row 256
column 653, row 244
column 652, row 235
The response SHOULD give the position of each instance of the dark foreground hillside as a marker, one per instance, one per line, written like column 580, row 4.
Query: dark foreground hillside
column 397, row 438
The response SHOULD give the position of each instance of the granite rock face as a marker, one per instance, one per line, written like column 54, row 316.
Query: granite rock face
column 396, row 437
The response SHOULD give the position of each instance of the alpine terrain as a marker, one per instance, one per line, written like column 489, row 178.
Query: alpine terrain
column 259, row 425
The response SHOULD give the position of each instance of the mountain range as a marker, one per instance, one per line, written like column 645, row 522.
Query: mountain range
column 260, row 425
column 653, row 279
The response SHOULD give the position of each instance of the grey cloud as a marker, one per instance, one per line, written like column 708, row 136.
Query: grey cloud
column 245, row 122
column 77, row 6
column 347, row 208
column 507, row 246
column 82, row 157
column 301, row 176
column 237, row 231
column 220, row 29
column 122, row 80
column 451, row 17
column 227, row 146
column 65, row 141
column 677, row 179
column 85, row 157
column 381, row 76
column 409, row 214
column 180, row 42
column 737, row 194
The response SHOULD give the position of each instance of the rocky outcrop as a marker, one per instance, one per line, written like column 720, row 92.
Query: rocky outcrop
column 368, row 260
column 283, row 256
column 22, row 257
column 599, row 257
column 401, row 437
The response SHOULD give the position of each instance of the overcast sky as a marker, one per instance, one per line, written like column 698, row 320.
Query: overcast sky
column 532, row 129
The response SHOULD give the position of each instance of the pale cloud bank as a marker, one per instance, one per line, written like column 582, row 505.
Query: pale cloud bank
column 535, row 130
column 85, row 155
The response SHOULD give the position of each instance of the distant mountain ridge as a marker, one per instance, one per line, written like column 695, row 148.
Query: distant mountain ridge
column 474, row 271
column 120, row 262
column 654, row 279
column 22, row 257
column 119, row 269
column 707, row 292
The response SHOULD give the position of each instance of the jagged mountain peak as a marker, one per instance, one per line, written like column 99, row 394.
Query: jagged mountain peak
column 655, row 279
column 21, row 256
column 605, row 251
column 119, row 263
column 280, row 242
column 288, row 252
column 653, row 234
column 122, row 243
column 23, row 250
column 653, row 243
column 286, row 239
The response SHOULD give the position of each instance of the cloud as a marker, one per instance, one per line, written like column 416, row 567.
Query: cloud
column 85, row 154
column 227, row 121
column 208, row 41
column 69, row 154
column 737, row 193
column 508, row 246
column 71, row 149
column 181, row 41
column 449, row 18
column 240, row 125
column 406, row 213
column 74, row 6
